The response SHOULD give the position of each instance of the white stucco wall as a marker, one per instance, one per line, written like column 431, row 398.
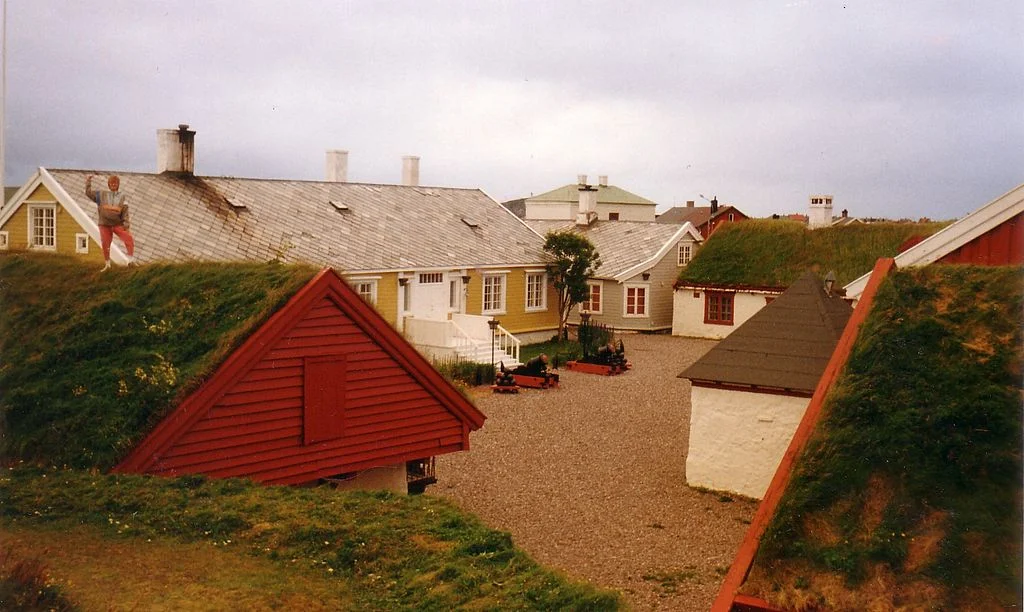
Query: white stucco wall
column 737, row 438
column 627, row 212
column 688, row 312
column 551, row 210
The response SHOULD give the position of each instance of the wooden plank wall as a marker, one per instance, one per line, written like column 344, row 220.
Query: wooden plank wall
column 256, row 429
column 1000, row 246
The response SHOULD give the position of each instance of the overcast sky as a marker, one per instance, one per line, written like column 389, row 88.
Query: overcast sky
column 898, row 109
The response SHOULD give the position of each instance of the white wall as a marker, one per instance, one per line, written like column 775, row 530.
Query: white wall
column 627, row 212
column 737, row 438
column 563, row 211
column 688, row 313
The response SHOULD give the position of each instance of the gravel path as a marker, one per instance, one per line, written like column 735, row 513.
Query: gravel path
column 589, row 479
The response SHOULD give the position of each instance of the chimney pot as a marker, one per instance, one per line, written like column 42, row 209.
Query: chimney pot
column 337, row 166
column 602, row 180
column 411, row 171
column 581, row 179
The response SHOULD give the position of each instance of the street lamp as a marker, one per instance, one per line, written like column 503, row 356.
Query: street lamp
column 493, row 324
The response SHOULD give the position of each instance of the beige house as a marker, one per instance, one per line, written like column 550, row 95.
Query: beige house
column 562, row 204
column 640, row 262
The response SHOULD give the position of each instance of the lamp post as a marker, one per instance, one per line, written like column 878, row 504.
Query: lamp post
column 493, row 324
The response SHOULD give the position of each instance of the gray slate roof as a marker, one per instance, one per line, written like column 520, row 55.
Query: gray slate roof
column 786, row 345
column 621, row 244
column 378, row 227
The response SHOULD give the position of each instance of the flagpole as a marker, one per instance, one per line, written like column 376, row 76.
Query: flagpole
column 3, row 101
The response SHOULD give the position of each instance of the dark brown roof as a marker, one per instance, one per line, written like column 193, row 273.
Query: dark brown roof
column 697, row 215
column 786, row 345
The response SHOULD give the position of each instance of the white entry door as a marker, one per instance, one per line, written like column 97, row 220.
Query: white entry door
column 429, row 297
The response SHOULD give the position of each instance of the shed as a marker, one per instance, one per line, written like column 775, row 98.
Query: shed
column 750, row 391
column 325, row 389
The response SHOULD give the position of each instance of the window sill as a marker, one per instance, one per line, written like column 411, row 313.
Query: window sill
column 707, row 322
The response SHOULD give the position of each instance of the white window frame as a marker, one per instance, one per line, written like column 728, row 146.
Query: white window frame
column 355, row 281
column 430, row 278
column 543, row 291
column 647, row 300
column 502, row 279
column 82, row 243
column 32, row 208
column 5, row 240
column 687, row 249
column 590, row 293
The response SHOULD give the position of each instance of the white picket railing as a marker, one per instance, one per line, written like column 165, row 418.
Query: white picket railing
column 465, row 335
column 507, row 342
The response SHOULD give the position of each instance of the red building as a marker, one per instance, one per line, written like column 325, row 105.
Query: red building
column 325, row 389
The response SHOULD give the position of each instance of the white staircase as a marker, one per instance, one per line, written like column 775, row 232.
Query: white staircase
column 481, row 353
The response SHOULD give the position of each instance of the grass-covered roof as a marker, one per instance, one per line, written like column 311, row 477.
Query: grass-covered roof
column 90, row 361
column 908, row 495
column 774, row 253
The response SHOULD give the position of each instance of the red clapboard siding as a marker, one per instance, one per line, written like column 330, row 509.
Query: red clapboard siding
column 251, row 418
column 1000, row 246
column 249, row 460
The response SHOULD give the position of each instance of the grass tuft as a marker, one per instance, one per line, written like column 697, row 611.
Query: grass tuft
column 774, row 253
column 395, row 552
column 90, row 362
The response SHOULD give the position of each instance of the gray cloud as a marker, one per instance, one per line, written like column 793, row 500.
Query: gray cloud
column 899, row 109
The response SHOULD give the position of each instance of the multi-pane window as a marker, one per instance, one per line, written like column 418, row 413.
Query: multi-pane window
column 636, row 301
column 43, row 227
column 494, row 293
column 367, row 289
column 535, row 294
column 685, row 253
column 718, row 307
column 431, row 278
column 593, row 303
column 4, row 240
column 453, row 294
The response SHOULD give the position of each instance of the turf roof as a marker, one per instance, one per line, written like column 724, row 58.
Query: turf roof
column 90, row 362
column 774, row 253
column 908, row 493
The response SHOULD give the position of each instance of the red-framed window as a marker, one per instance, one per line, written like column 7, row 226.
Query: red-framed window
column 718, row 307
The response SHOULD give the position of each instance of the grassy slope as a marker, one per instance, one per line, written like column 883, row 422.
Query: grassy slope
column 388, row 552
column 909, row 492
column 775, row 253
column 89, row 362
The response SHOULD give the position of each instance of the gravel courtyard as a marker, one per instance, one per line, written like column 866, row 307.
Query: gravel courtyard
column 589, row 479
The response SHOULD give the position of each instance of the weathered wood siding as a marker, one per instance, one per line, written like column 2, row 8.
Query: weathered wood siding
column 1002, row 245
column 256, row 429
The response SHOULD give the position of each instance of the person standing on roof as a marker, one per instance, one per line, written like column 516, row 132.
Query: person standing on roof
column 113, row 217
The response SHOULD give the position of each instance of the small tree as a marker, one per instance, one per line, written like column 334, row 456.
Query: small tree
column 575, row 260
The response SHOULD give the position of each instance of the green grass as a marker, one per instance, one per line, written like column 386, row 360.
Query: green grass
column 924, row 427
column 89, row 362
column 393, row 552
column 562, row 350
column 774, row 253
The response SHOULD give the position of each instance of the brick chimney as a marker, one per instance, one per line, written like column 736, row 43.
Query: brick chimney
column 689, row 203
column 337, row 166
column 411, row 170
column 819, row 213
column 176, row 150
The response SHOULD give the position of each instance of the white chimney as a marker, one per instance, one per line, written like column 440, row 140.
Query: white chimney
column 581, row 179
column 602, row 180
column 337, row 166
column 411, row 170
column 819, row 214
column 588, row 205
column 176, row 150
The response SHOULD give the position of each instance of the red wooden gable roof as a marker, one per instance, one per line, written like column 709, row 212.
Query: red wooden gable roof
column 267, row 413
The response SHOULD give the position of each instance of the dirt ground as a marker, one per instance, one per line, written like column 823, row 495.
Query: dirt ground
column 590, row 479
